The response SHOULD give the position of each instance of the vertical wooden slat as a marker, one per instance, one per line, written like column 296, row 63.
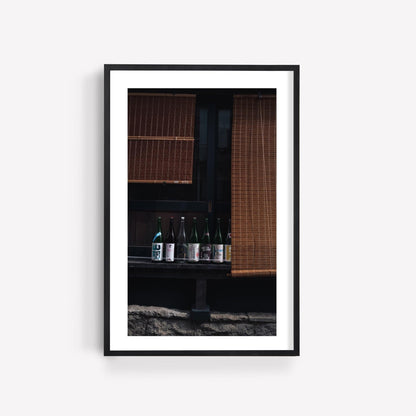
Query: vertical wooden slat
column 253, row 182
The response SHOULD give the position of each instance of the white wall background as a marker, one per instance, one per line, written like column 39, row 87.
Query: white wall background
column 358, row 149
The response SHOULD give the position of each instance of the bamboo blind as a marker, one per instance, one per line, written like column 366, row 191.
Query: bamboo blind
column 161, row 137
column 253, row 183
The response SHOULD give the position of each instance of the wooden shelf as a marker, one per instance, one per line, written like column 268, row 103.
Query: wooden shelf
column 144, row 267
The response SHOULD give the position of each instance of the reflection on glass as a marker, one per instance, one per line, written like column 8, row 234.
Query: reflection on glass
column 224, row 128
column 223, row 156
column 203, row 153
column 203, row 133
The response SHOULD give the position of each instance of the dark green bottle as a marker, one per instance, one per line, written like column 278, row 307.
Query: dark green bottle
column 227, row 247
column 217, row 245
column 206, row 244
column 193, row 245
column 170, row 243
column 157, row 244
column 181, row 243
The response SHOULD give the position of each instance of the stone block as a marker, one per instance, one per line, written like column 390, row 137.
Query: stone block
column 159, row 312
column 228, row 317
column 262, row 317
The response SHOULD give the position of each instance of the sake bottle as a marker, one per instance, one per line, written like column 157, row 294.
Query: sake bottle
column 227, row 247
column 205, row 249
column 193, row 245
column 181, row 243
column 157, row 244
column 217, row 245
column 170, row 243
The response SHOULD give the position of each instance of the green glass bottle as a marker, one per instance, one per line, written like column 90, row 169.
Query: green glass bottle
column 170, row 243
column 217, row 245
column 205, row 244
column 193, row 245
column 157, row 244
column 227, row 247
column 181, row 243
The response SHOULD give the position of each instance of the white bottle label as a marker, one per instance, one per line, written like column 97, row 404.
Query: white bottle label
column 157, row 250
column 193, row 252
column 170, row 252
column 205, row 252
column 218, row 253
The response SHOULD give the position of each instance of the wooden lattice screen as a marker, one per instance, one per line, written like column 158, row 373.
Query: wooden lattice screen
column 253, row 185
column 160, row 137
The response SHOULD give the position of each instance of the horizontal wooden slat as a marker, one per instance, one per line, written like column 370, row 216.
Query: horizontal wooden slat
column 160, row 161
column 159, row 138
column 156, row 94
column 159, row 181
column 254, row 272
column 161, row 115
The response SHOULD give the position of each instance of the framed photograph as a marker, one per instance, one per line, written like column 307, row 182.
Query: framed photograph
column 201, row 227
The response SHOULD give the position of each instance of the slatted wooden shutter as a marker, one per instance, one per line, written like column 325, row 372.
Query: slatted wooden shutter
column 161, row 137
column 254, row 186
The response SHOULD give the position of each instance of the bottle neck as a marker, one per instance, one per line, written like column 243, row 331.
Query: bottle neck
column 171, row 233
column 158, row 236
column 194, row 233
column 182, row 229
column 218, row 237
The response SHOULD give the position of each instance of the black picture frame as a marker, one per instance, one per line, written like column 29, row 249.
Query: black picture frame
column 295, row 69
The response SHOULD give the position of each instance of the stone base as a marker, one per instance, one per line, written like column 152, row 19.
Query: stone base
column 152, row 320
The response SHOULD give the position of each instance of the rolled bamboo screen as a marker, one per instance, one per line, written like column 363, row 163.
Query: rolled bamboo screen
column 253, row 184
column 161, row 137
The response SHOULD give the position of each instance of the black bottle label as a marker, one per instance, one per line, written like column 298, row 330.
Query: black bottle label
column 181, row 251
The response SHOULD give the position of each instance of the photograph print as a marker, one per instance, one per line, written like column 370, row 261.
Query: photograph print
column 202, row 213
